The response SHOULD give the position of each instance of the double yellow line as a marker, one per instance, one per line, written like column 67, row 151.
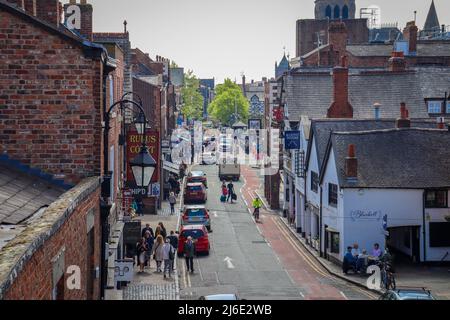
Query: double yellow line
column 313, row 264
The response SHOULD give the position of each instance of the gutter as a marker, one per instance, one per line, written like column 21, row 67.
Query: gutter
column 424, row 229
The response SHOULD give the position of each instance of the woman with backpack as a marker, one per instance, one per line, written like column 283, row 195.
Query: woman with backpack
column 158, row 253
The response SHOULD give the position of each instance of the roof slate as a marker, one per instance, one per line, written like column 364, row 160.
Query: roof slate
column 395, row 158
column 311, row 93
column 22, row 195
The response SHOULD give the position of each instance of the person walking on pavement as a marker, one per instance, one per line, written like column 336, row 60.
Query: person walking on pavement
column 173, row 238
column 148, row 254
column 189, row 251
column 230, row 191
column 163, row 230
column 172, row 202
column 140, row 207
column 172, row 183
column 257, row 204
column 149, row 229
column 141, row 251
column 169, row 257
column 158, row 253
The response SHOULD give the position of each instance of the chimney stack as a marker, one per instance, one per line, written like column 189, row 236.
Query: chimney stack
column 337, row 39
column 86, row 17
column 403, row 121
column 340, row 108
column 351, row 163
column 397, row 62
column 410, row 35
column 49, row 11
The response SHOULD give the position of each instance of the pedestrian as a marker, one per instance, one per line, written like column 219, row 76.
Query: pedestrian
column 140, row 207
column 169, row 257
column 149, row 229
column 141, row 251
column 158, row 252
column 157, row 231
column 230, row 188
column 150, row 240
column 163, row 230
column 177, row 187
column 189, row 251
column 172, row 202
column 173, row 238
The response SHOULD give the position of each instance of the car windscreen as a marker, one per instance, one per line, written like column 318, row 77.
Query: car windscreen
column 195, row 213
column 195, row 234
column 195, row 188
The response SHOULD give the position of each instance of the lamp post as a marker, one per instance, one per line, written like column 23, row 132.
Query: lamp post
column 143, row 168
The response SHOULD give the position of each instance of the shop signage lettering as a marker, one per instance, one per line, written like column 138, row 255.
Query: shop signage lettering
column 365, row 214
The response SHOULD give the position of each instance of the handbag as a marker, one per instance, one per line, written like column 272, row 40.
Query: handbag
column 171, row 254
column 234, row 196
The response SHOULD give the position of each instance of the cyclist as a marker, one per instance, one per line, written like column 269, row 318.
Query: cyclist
column 257, row 204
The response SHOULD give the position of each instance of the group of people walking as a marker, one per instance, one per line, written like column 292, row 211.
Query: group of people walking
column 228, row 194
column 159, row 246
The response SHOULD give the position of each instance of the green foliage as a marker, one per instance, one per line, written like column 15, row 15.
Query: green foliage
column 192, row 99
column 229, row 96
column 173, row 64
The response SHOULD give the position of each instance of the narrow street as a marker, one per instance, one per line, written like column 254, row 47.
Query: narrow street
column 257, row 261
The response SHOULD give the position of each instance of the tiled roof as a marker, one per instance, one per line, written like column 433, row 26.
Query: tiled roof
column 311, row 94
column 396, row 158
column 22, row 195
column 321, row 129
column 425, row 48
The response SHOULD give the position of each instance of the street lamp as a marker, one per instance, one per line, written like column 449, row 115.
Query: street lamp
column 140, row 123
column 143, row 167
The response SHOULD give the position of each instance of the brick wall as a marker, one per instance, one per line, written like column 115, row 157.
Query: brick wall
column 151, row 101
column 35, row 279
column 50, row 101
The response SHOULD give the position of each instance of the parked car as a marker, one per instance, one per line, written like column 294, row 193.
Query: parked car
column 221, row 297
column 407, row 294
column 196, row 215
column 209, row 158
column 195, row 192
column 199, row 234
column 197, row 176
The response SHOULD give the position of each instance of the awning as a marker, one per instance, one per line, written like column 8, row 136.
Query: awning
column 171, row 167
column 332, row 230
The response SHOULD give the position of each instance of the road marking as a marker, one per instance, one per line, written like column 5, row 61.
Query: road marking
column 184, row 275
column 343, row 294
column 229, row 263
column 217, row 277
column 199, row 269
column 301, row 293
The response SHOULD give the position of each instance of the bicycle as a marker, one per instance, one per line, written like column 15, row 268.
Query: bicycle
column 387, row 276
column 256, row 214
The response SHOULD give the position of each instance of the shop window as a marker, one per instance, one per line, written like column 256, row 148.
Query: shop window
column 314, row 182
column 332, row 194
column 436, row 199
column 439, row 232
column 334, row 242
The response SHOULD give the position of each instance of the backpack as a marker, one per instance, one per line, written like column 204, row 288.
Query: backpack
column 171, row 253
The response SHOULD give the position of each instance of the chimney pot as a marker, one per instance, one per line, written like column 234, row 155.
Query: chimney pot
column 403, row 121
column 351, row 163
column 441, row 123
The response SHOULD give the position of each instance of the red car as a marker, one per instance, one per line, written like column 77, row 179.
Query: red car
column 195, row 192
column 197, row 176
column 199, row 235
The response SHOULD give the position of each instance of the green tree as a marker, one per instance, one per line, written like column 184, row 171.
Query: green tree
column 192, row 99
column 229, row 97
column 173, row 64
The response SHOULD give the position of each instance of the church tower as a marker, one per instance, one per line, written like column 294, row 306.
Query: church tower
column 335, row 9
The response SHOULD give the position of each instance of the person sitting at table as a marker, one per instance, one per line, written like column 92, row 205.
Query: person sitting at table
column 362, row 262
column 377, row 251
column 349, row 261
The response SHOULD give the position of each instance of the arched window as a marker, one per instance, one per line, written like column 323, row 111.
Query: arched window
column 345, row 12
column 328, row 12
column 337, row 12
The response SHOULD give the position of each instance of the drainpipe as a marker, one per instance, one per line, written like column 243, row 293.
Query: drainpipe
column 424, row 233
column 320, row 225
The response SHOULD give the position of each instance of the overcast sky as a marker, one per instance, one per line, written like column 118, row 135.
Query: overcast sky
column 223, row 38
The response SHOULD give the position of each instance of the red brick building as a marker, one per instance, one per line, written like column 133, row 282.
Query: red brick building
column 54, row 88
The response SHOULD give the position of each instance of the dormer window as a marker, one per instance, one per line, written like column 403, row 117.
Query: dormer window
column 435, row 107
